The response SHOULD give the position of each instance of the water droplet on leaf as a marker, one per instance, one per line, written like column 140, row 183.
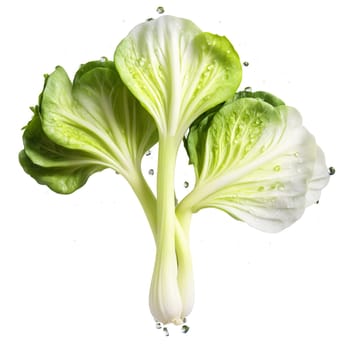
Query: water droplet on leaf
column 103, row 59
column 149, row 19
column 277, row 168
column 160, row 9
column 210, row 67
column 248, row 89
column 148, row 153
column 280, row 187
column 141, row 61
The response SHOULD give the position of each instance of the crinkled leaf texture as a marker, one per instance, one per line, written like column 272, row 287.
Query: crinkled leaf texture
column 82, row 127
column 177, row 71
column 61, row 169
column 256, row 162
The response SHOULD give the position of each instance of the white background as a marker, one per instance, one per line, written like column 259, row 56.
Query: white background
column 75, row 270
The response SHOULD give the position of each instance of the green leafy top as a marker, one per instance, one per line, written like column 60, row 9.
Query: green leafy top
column 256, row 162
column 82, row 127
column 177, row 71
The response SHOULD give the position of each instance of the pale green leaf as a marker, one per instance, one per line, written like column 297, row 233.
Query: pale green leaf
column 177, row 71
column 253, row 161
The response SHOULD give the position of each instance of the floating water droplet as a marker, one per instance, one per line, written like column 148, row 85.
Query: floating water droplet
column 160, row 9
column 103, row 59
column 185, row 328
column 148, row 153
column 158, row 325
column 248, row 89
column 331, row 170
column 245, row 63
column 186, row 184
column 277, row 168
column 166, row 332
column 151, row 172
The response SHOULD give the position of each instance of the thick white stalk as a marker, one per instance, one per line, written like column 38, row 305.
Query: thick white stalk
column 165, row 299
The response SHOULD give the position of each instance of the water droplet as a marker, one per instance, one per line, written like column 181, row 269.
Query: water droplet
column 331, row 170
column 160, row 9
column 166, row 332
column 186, row 184
column 210, row 67
column 245, row 63
column 141, row 61
column 296, row 154
column 117, row 172
column 248, row 89
column 280, row 187
column 103, row 59
column 277, row 168
column 185, row 328
column 317, row 202
column 151, row 172
column 261, row 188
column 184, row 320
column 158, row 325
column 148, row 153
column 149, row 19
column 262, row 149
